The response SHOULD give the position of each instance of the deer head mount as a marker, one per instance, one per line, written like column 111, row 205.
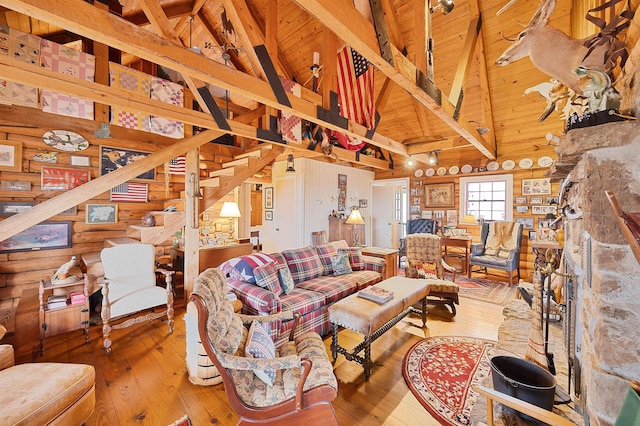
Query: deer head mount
column 555, row 53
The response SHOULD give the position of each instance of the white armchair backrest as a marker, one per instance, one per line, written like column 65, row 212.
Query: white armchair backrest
column 129, row 264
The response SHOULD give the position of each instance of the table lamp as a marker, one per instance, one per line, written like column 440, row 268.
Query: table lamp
column 469, row 220
column 230, row 209
column 355, row 218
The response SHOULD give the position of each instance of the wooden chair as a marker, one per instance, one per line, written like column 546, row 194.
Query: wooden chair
column 425, row 248
column 304, row 384
column 129, row 286
column 318, row 237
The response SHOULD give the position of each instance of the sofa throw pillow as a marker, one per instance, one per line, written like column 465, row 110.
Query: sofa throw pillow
column 427, row 270
column 340, row 264
column 355, row 257
column 267, row 277
column 260, row 345
column 286, row 280
column 241, row 268
column 489, row 251
column 304, row 264
column 325, row 251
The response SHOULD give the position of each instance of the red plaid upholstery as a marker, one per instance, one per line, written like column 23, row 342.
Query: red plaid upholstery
column 355, row 257
column 301, row 301
column 255, row 300
column 365, row 278
column 304, row 263
column 333, row 288
column 325, row 251
column 374, row 264
column 317, row 321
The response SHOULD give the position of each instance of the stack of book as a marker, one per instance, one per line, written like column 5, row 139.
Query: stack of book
column 56, row 301
column 77, row 297
column 376, row 294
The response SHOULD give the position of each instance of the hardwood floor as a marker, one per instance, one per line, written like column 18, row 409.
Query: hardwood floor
column 144, row 380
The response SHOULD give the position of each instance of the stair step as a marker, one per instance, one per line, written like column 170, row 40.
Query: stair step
column 210, row 183
column 239, row 162
column 111, row 242
column 256, row 153
column 223, row 172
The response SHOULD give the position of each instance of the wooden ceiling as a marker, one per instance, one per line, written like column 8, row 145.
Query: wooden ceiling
column 495, row 119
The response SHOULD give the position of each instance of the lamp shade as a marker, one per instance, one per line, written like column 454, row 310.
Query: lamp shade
column 355, row 218
column 230, row 209
column 469, row 220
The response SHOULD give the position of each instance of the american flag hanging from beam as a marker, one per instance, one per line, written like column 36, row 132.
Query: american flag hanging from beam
column 130, row 193
column 355, row 87
column 177, row 166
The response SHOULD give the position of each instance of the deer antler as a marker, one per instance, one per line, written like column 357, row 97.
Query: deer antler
column 507, row 38
column 505, row 7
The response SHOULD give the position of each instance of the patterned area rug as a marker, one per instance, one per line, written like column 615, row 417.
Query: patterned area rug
column 441, row 373
column 491, row 291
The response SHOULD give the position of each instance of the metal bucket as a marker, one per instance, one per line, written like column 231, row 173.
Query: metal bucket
column 523, row 380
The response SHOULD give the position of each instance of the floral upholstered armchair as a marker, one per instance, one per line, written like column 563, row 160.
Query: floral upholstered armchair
column 424, row 260
column 292, row 384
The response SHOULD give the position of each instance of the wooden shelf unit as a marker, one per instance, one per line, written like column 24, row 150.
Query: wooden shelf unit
column 340, row 230
column 64, row 318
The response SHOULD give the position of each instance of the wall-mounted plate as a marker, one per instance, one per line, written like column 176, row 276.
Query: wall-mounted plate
column 65, row 140
column 508, row 165
column 466, row 168
column 442, row 171
column 418, row 173
column 545, row 161
column 525, row 163
column 492, row 166
column 453, row 170
column 430, row 172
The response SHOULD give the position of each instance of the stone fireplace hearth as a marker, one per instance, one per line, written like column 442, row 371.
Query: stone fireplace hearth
column 606, row 352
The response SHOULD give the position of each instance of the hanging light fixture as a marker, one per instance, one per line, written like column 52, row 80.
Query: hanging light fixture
column 432, row 159
column 290, row 164
column 445, row 5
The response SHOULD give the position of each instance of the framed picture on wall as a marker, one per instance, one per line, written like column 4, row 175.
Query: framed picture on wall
column 522, row 209
column 268, row 197
column 536, row 186
column 43, row 236
column 62, row 179
column 427, row 214
column 536, row 200
column 116, row 158
column 439, row 195
column 268, row 215
column 9, row 208
column 11, row 155
column 527, row 222
column 101, row 213
column 520, row 200
column 544, row 209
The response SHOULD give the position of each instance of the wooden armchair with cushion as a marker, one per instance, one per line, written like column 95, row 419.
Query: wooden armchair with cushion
column 424, row 260
column 293, row 384
column 45, row 393
column 129, row 286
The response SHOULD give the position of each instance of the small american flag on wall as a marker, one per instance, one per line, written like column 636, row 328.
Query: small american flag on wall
column 177, row 166
column 130, row 192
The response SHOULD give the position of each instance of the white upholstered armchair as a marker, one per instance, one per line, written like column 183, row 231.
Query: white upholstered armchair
column 129, row 286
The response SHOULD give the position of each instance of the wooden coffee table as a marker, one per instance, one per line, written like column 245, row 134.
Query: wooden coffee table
column 372, row 320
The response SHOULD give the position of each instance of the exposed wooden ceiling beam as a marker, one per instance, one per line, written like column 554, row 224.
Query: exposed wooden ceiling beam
column 425, row 147
column 173, row 10
column 79, row 17
column 247, row 31
column 343, row 19
column 217, row 37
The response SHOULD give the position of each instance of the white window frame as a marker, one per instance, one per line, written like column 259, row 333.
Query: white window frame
column 509, row 195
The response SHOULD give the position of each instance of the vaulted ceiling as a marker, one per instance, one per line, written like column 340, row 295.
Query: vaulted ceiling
column 481, row 115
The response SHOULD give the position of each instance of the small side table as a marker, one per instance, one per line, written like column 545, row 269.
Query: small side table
column 460, row 242
column 390, row 257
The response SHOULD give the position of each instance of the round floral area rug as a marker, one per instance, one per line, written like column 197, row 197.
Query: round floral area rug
column 442, row 371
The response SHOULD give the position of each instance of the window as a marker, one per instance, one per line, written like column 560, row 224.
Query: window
column 487, row 197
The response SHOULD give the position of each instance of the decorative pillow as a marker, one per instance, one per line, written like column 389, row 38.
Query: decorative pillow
column 304, row 264
column 267, row 277
column 325, row 251
column 260, row 345
column 340, row 264
column 427, row 270
column 241, row 268
column 504, row 254
column 355, row 257
column 286, row 280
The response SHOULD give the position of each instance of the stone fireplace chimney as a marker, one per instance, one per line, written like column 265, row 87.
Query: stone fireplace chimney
column 607, row 283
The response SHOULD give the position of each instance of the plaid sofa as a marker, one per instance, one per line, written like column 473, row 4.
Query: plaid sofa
column 315, row 286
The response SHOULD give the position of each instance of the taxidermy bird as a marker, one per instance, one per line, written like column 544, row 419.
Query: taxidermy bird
column 63, row 271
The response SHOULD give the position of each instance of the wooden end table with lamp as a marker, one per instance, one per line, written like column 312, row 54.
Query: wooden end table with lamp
column 459, row 242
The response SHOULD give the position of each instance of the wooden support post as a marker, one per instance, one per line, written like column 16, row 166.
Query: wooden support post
column 192, row 232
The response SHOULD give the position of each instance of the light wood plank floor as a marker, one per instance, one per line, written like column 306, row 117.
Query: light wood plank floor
column 144, row 381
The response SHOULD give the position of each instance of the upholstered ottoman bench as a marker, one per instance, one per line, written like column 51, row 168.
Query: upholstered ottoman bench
column 372, row 320
column 44, row 393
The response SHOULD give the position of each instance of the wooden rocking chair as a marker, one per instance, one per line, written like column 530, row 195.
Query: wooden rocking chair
column 304, row 384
